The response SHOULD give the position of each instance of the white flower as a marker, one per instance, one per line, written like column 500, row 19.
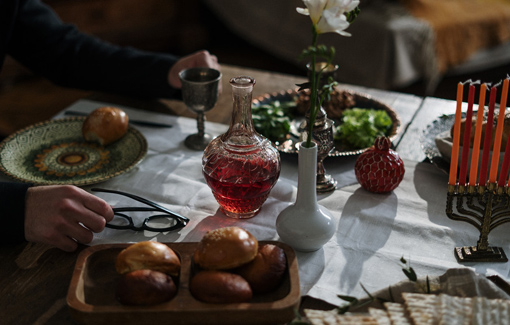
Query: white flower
column 328, row 16
column 333, row 21
column 314, row 9
column 345, row 5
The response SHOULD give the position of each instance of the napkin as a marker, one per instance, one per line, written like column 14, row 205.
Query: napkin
column 448, row 298
column 458, row 282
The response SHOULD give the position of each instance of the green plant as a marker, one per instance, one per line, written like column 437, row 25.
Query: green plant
column 273, row 119
column 360, row 127
column 328, row 16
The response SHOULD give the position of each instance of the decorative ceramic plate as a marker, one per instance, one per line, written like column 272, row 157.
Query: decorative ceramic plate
column 54, row 152
column 361, row 100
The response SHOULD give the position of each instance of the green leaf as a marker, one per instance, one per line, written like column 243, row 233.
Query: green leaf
column 411, row 275
column 360, row 127
column 366, row 291
column 351, row 15
column 343, row 309
column 408, row 270
column 332, row 52
column 349, row 299
column 303, row 86
column 272, row 120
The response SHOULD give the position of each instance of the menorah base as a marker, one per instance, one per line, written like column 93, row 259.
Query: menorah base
column 472, row 254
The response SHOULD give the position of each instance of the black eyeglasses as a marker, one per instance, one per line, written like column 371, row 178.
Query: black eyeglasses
column 167, row 221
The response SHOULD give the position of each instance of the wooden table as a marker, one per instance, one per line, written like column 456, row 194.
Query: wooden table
column 34, row 278
column 266, row 83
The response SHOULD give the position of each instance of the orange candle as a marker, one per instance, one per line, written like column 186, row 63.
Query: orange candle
column 467, row 137
column 456, row 137
column 487, row 140
column 478, row 136
column 499, row 134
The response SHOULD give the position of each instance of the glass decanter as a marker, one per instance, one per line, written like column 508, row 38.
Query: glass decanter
column 241, row 166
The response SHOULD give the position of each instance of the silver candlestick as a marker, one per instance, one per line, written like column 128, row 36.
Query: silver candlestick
column 323, row 136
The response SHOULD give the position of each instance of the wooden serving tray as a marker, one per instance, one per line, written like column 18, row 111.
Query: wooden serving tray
column 91, row 295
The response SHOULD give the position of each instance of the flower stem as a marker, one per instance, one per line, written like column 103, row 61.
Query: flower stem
column 313, row 91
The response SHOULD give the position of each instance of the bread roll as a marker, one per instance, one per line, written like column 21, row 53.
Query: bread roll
column 266, row 271
column 145, row 287
column 105, row 125
column 220, row 287
column 148, row 255
column 225, row 248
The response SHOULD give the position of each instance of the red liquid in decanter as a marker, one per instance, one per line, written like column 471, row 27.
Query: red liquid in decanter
column 241, row 166
column 241, row 186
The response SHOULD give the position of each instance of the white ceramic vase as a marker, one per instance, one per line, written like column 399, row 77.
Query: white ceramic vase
column 305, row 225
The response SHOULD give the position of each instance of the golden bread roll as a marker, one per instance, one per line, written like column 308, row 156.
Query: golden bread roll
column 225, row 248
column 145, row 287
column 105, row 125
column 266, row 271
column 220, row 287
column 148, row 255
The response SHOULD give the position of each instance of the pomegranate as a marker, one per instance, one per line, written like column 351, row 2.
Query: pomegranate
column 379, row 169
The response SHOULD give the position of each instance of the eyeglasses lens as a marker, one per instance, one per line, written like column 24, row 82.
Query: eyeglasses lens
column 119, row 221
column 161, row 222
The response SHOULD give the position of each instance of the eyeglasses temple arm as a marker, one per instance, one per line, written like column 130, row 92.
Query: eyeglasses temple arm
column 145, row 201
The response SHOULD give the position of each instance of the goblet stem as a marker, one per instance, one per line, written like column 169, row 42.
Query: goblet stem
column 201, row 124
column 200, row 140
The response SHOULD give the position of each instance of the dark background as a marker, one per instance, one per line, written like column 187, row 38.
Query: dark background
column 173, row 26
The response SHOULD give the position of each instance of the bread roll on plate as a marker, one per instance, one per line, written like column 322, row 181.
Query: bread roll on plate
column 145, row 287
column 220, row 287
column 267, row 269
column 105, row 125
column 225, row 248
column 148, row 255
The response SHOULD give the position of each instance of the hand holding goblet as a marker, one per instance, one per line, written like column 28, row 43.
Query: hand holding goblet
column 199, row 93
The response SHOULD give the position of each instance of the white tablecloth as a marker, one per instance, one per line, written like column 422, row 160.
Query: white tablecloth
column 374, row 230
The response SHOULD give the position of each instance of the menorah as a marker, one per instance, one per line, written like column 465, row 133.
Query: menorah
column 481, row 203
column 485, row 207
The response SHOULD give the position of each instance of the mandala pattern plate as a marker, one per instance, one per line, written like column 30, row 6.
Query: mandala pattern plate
column 54, row 152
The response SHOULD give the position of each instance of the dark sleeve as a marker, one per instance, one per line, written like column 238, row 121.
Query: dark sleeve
column 70, row 58
column 12, row 211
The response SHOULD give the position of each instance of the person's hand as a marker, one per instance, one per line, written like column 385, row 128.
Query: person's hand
column 64, row 215
column 195, row 60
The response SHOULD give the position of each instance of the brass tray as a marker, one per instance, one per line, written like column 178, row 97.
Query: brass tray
column 290, row 146
column 91, row 295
